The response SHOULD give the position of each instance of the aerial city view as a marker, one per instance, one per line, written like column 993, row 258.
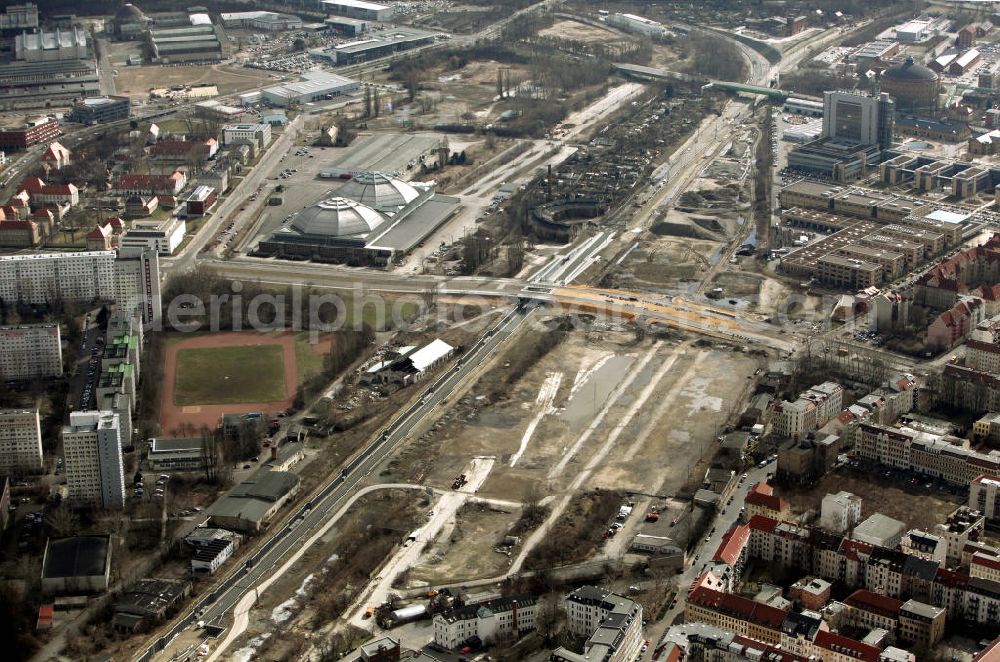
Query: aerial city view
column 508, row 330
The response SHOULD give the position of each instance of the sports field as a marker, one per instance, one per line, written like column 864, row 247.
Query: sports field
column 211, row 374
column 229, row 375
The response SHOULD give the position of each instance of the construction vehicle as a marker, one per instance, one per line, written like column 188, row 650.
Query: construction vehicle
column 653, row 516
column 459, row 482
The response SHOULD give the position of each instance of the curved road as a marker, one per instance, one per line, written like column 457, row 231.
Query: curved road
column 329, row 498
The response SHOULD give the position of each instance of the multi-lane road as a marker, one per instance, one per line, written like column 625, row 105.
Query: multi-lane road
column 326, row 500
column 548, row 284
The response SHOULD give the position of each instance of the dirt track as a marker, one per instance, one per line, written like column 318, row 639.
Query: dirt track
column 172, row 415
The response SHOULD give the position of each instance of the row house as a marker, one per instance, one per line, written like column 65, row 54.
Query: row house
column 886, row 572
column 171, row 184
column 183, row 151
column 761, row 500
column 868, row 610
column 735, row 613
column 804, row 635
column 811, row 410
column 939, row 456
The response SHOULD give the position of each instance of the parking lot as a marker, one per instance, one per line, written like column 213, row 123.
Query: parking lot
column 83, row 381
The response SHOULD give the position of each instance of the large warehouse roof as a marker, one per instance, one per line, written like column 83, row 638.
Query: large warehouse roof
column 79, row 556
column 358, row 4
column 312, row 82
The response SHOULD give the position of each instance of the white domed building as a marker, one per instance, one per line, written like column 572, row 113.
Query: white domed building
column 372, row 220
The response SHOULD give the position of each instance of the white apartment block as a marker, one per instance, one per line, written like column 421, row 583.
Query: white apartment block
column 162, row 237
column 612, row 624
column 637, row 24
column 939, row 456
column 45, row 277
column 812, row 410
column 984, row 496
column 503, row 619
column 92, row 448
column 254, row 133
column 137, row 284
column 20, row 441
column 30, row 351
column 130, row 278
column 840, row 512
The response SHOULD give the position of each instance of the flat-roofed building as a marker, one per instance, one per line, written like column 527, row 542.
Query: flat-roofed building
column 34, row 132
column 185, row 44
column 98, row 110
column 250, row 505
column 933, row 242
column 921, row 624
column 44, row 46
column 162, row 237
column 375, row 45
column 846, row 272
column 984, row 496
column 19, row 17
column 30, row 351
column 201, row 200
column 312, row 86
column 181, row 454
column 20, row 441
column 92, row 447
column 78, row 564
column 259, row 133
column 267, row 21
column 893, row 264
column 357, row 9
column 40, row 84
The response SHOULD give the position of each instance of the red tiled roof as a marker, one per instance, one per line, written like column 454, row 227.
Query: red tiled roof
column 180, row 147
column 58, row 189
column 739, row 607
column 853, row 548
column 762, row 487
column 31, row 184
column 986, row 561
column 769, row 501
column 981, row 477
column 875, row 603
column 771, row 654
column 17, row 225
column 950, row 578
column 763, row 523
column 733, row 542
column 42, row 212
column 989, row 654
column 99, row 232
column 845, row 646
column 55, row 151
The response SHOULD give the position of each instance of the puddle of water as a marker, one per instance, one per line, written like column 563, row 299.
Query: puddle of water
column 594, row 392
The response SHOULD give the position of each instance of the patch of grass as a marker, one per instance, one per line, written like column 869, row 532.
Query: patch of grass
column 378, row 315
column 308, row 361
column 229, row 375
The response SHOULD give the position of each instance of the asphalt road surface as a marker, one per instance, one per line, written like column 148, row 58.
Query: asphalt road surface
column 215, row 606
